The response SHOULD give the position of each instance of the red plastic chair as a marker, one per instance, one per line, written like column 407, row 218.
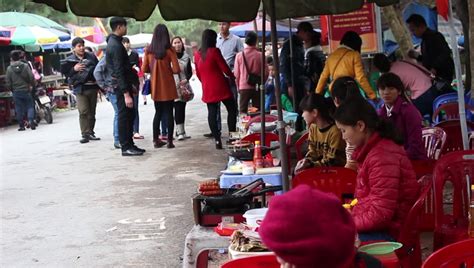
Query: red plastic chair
column 422, row 168
column 457, row 168
column 434, row 139
column 299, row 146
column 338, row 180
column 453, row 132
column 269, row 137
column 457, row 255
column 264, row 261
column 451, row 111
column 410, row 254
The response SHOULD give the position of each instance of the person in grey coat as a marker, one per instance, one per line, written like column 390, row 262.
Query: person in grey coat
column 20, row 80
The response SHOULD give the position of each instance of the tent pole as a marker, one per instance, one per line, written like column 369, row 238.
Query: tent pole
column 262, row 75
column 292, row 70
column 457, row 65
column 281, row 123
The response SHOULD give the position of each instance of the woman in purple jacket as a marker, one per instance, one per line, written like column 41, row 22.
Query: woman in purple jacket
column 402, row 113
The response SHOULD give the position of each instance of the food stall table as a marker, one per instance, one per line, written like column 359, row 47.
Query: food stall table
column 198, row 243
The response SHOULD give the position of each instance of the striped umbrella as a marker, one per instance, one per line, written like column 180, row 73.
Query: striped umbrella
column 18, row 28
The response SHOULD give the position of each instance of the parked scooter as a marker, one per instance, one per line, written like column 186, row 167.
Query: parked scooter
column 43, row 106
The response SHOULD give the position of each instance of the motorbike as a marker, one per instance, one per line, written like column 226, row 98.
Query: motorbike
column 43, row 106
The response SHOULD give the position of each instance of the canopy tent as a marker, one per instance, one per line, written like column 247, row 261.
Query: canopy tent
column 243, row 29
column 19, row 29
column 140, row 40
column 221, row 10
column 217, row 10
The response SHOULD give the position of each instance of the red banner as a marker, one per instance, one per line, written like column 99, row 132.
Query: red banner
column 361, row 21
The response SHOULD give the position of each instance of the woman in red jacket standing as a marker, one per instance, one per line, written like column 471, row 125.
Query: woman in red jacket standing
column 386, row 183
column 211, row 69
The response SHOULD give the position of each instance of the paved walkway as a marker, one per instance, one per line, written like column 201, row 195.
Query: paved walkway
column 67, row 204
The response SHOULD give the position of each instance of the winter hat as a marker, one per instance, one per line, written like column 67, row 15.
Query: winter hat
column 309, row 228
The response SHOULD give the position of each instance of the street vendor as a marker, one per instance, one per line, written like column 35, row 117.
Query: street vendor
column 319, row 233
column 386, row 185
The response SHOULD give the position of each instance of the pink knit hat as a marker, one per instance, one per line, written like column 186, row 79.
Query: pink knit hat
column 309, row 228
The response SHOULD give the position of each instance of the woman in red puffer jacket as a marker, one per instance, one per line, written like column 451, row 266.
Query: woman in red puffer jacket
column 211, row 69
column 386, row 183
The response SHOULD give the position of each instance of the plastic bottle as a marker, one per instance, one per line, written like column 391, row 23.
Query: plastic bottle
column 257, row 155
column 471, row 214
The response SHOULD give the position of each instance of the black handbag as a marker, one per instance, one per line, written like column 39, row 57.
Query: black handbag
column 252, row 79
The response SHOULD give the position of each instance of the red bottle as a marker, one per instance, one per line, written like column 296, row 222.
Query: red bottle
column 257, row 155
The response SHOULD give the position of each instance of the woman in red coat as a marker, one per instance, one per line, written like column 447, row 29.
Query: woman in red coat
column 212, row 70
column 386, row 183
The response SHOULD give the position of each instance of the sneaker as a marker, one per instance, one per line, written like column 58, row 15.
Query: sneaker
column 92, row 137
column 85, row 139
column 21, row 129
column 170, row 145
column 33, row 126
column 181, row 137
column 117, row 145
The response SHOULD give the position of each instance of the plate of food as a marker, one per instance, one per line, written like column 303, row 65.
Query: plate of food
column 247, row 243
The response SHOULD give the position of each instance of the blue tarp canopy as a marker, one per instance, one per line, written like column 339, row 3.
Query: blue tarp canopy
column 243, row 29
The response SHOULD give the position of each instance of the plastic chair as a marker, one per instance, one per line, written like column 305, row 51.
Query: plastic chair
column 269, row 137
column 264, row 261
column 445, row 98
column 299, row 146
column 457, row 255
column 337, row 180
column 423, row 168
column 456, row 168
column 451, row 111
column 410, row 253
column 434, row 139
column 453, row 135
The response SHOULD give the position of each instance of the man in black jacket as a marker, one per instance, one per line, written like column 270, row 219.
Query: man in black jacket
column 117, row 61
column 79, row 69
column 435, row 52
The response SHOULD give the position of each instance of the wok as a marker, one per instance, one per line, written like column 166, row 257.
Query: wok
column 238, row 198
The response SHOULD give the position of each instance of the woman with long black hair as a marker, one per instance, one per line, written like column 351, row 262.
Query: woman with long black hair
column 212, row 70
column 161, row 62
column 186, row 73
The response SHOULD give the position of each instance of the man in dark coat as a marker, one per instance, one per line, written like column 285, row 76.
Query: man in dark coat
column 435, row 53
column 78, row 69
column 118, row 62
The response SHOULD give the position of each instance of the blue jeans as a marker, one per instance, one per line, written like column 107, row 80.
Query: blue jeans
column 136, row 122
column 113, row 100
column 23, row 105
column 269, row 99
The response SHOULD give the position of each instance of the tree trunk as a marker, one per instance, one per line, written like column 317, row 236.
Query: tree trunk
column 397, row 25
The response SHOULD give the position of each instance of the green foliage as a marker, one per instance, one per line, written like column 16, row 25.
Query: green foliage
column 191, row 30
